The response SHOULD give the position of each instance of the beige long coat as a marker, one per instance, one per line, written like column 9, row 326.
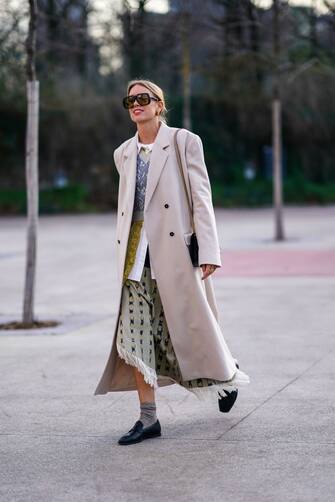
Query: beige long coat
column 189, row 303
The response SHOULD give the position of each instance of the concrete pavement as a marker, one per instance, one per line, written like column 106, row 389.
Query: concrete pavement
column 58, row 442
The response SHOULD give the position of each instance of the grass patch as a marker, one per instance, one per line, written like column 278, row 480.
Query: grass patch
column 72, row 198
column 258, row 193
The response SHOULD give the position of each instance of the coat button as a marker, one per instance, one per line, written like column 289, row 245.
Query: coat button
column 171, row 233
column 118, row 241
column 166, row 205
column 122, row 213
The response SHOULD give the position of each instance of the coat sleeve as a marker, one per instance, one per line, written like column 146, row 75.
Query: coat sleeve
column 203, row 211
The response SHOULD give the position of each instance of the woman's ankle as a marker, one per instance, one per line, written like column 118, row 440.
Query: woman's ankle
column 148, row 414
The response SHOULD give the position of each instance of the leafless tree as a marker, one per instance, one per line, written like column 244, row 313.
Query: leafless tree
column 277, row 127
column 186, row 65
column 31, row 165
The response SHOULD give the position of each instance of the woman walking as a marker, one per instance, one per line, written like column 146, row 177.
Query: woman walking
column 167, row 329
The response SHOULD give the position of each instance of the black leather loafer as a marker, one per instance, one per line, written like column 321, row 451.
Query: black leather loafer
column 138, row 433
column 227, row 401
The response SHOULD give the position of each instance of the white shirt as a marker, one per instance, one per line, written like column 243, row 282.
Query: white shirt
column 136, row 271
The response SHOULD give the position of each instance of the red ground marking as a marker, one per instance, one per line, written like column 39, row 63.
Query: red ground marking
column 288, row 262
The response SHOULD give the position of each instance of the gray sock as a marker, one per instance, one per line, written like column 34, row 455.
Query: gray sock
column 148, row 413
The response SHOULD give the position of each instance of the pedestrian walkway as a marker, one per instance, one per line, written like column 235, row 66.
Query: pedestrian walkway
column 58, row 442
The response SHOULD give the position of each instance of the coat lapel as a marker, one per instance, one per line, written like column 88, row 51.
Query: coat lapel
column 158, row 158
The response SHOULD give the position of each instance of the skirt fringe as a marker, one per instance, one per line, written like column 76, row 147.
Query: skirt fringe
column 148, row 373
column 206, row 393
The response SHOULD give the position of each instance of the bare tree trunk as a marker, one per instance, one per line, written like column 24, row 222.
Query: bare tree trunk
column 186, row 70
column 313, row 30
column 277, row 170
column 31, row 166
column 277, row 131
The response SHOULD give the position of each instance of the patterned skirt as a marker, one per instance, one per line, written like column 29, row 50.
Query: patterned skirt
column 143, row 338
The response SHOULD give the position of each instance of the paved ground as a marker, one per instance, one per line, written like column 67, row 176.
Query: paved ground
column 58, row 442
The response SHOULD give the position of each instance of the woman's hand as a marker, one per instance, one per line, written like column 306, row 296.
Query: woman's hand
column 208, row 269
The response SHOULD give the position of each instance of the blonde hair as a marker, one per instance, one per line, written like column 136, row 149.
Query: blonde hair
column 156, row 91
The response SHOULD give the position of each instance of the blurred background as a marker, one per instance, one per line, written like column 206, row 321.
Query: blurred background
column 216, row 60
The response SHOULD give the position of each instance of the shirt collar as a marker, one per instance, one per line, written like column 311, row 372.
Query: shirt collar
column 142, row 144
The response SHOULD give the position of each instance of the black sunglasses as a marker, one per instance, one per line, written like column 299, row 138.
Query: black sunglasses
column 143, row 99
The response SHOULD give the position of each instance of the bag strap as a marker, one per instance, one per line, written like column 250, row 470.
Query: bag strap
column 190, row 208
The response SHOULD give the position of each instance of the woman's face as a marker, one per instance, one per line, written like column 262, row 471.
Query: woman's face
column 140, row 114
